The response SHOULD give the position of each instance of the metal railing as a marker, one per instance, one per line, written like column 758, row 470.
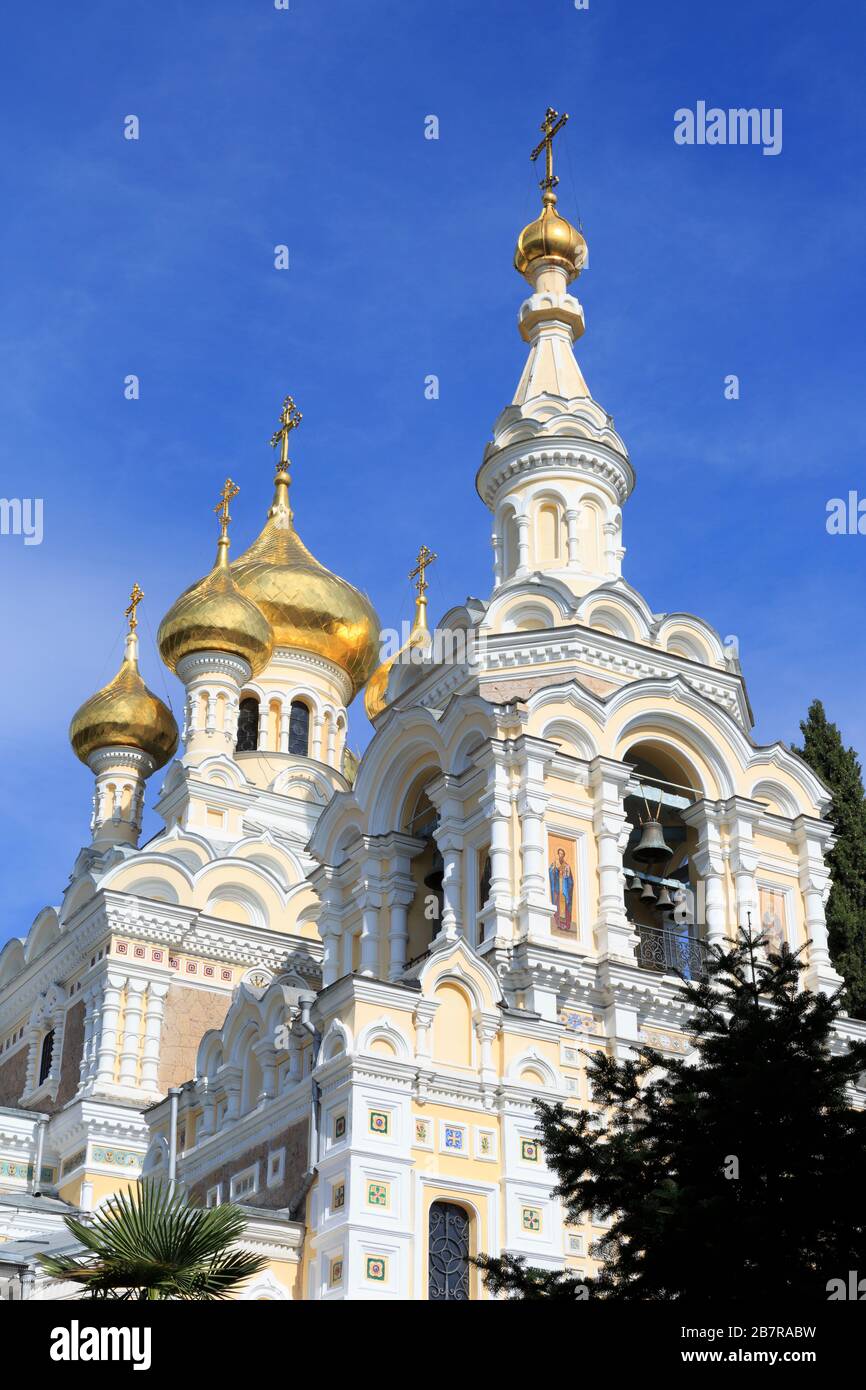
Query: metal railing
column 671, row 951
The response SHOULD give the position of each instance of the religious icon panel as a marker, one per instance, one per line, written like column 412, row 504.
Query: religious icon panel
column 562, row 875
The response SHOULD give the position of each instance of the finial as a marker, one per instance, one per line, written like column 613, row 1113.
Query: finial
column 228, row 494
column 290, row 418
column 551, row 126
column 134, row 600
column 425, row 558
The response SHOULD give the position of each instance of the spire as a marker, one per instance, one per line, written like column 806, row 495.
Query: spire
column 290, row 419
column 550, row 254
column 375, row 696
column 229, row 493
column 131, row 612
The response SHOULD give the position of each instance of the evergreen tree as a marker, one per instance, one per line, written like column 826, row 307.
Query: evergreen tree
column 734, row 1174
column 838, row 767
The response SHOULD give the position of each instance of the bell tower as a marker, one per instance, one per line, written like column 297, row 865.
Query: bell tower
column 556, row 473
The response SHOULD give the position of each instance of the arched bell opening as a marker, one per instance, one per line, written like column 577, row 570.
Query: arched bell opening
column 662, row 884
column 248, row 725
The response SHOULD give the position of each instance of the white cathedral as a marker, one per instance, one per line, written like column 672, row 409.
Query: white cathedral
column 331, row 991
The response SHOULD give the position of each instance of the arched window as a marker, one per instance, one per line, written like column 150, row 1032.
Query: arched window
column 46, row 1056
column 248, row 726
column 299, row 728
column 448, row 1253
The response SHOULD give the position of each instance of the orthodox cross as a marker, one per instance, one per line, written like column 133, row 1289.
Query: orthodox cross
column 229, row 492
column 425, row 558
column 553, row 123
column 134, row 600
column 290, row 418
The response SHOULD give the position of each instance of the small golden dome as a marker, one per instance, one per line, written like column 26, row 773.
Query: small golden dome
column 125, row 714
column 419, row 639
column 550, row 237
column 213, row 615
column 307, row 606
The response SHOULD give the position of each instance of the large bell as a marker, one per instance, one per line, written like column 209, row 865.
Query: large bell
column 652, row 843
column 434, row 879
column 648, row 895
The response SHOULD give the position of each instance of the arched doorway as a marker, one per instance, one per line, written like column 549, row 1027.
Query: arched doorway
column 448, row 1253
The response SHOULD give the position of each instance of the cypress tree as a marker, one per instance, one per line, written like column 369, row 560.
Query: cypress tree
column 839, row 768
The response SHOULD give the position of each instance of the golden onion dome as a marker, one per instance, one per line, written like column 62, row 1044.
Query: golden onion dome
column 213, row 615
column 307, row 606
column 125, row 714
column 553, row 238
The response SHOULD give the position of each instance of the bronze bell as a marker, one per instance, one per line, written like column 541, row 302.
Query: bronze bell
column 664, row 899
column 648, row 894
column 652, row 843
column 434, row 879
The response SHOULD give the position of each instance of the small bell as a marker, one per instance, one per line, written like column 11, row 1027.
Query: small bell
column 434, row 879
column 664, row 899
column 652, row 844
column 648, row 894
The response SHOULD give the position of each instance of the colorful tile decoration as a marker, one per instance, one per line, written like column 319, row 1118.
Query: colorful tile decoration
column 118, row 1158
column 531, row 1219
column 378, row 1194
column 339, row 1126
column 380, row 1122
column 454, row 1138
column 485, row 1144
column 338, row 1196
column 335, row 1274
column 529, row 1150
column 377, row 1268
column 422, row 1131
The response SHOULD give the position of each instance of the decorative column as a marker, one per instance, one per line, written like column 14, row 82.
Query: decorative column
column 741, row 817
column 264, row 719
column 522, row 544
column 399, row 894
column 153, row 1016
column 534, row 908
column 267, row 1057
column 443, row 793
column 615, row 935
column 369, row 893
column 117, row 817
column 107, row 1049
column 497, row 559
column 496, row 914
column 425, row 1012
column 326, row 882
column 572, row 522
column 486, row 1031
column 317, row 737
column 89, row 998
column 813, row 839
column 705, row 817
column 129, row 1056
column 231, row 1078
column 284, row 730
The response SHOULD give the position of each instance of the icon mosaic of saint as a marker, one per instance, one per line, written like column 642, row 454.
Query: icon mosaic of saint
column 561, row 875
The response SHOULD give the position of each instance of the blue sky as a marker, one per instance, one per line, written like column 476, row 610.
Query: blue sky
column 306, row 127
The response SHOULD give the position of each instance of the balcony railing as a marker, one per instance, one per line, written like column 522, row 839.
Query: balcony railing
column 671, row 952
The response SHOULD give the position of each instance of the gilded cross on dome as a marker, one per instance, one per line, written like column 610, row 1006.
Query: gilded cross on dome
column 229, row 492
column 553, row 124
column 134, row 600
column 290, row 418
column 425, row 558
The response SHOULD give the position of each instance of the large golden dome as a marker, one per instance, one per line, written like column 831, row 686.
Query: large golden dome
column 213, row 615
column 307, row 606
column 125, row 714
column 550, row 237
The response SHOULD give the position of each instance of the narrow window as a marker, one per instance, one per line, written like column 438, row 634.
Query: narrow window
column 299, row 729
column 248, row 726
column 46, row 1056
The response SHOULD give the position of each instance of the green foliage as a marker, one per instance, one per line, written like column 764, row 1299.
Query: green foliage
column 150, row 1243
column 733, row 1174
column 839, row 769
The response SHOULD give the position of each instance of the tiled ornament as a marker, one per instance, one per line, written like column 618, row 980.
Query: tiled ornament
column 377, row 1268
column 531, row 1219
column 529, row 1150
column 378, row 1194
column 380, row 1122
column 455, row 1139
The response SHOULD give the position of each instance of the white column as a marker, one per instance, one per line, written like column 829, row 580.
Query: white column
column 742, row 816
column 317, row 737
column 572, row 521
column 497, row 559
column 399, row 902
column 522, row 544
column 813, row 839
column 705, row 818
column 108, row 1042
column 129, row 1056
column 264, row 717
column 534, row 907
column 449, row 839
column 615, row 935
column 284, row 730
column 496, row 802
column 153, row 1016
column 89, row 998
column 264, row 1051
